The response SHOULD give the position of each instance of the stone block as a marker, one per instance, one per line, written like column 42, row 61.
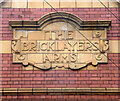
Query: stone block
column 35, row 3
column 53, row 3
column 36, row 35
column 84, row 4
column 96, row 3
column 7, row 4
column 67, row 4
column 19, row 4
column 5, row 46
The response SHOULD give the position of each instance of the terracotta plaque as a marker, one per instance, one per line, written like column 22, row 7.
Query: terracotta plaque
column 66, row 48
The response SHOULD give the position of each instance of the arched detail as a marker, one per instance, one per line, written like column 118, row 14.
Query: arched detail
column 59, row 17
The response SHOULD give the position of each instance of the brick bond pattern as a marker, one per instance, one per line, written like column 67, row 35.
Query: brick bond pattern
column 107, row 75
column 62, row 98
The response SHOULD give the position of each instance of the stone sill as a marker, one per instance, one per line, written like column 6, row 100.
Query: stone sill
column 57, row 91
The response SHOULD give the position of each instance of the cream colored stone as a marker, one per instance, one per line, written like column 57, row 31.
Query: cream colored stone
column 29, row 67
column 7, row 4
column 19, row 4
column 57, row 68
column 113, row 3
column 114, row 46
column 23, row 90
column 96, row 3
column 47, row 35
column 83, row 58
column 37, row 58
column 18, row 58
column 44, row 66
column 84, row 68
column 67, row 4
column 36, row 35
column 84, row 3
column 60, row 66
column 113, row 90
column 57, row 26
column 10, row 90
column 35, row 68
column 59, row 4
column 19, row 34
column 100, row 58
column 99, row 34
column 90, row 67
column 54, row 3
column 37, row 90
column 35, row 3
column 87, row 34
column 5, row 46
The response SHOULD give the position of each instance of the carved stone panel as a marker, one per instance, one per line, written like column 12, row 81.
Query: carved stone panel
column 59, row 45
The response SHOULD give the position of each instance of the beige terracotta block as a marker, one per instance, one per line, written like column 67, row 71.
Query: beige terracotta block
column 85, row 3
column 67, row 4
column 56, row 26
column 36, row 35
column 5, row 46
column 87, row 34
column 90, row 67
column 19, row 4
column 47, row 35
column 10, row 90
column 23, row 90
column 59, row 66
column 29, row 67
column 7, row 4
column 35, row 3
column 100, row 58
column 112, row 89
column 113, row 3
column 20, row 33
column 18, row 58
column 96, row 3
column 84, row 68
column 53, row 3
column 35, row 68
column 83, row 58
column 37, row 90
column 114, row 46
column 99, row 34
column 37, row 58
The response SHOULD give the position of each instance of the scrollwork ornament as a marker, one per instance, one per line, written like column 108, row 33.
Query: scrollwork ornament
column 15, row 46
column 99, row 57
column 21, row 57
column 106, row 45
column 98, row 34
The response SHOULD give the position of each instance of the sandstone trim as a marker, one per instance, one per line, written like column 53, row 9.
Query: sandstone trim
column 57, row 91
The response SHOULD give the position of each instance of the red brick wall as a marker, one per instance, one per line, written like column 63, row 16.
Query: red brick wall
column 62, row 98
column 107, row 75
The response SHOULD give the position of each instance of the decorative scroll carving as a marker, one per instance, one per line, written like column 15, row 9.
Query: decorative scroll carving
column 21, row 57
column 99, row 57
column 15, row 46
